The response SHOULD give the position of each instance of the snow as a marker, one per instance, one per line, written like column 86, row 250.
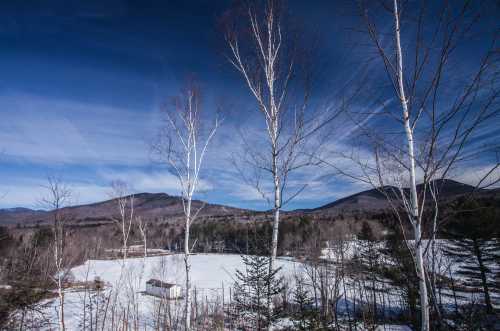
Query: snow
column 443, row 264
column 212, row 278
column 208, row 271
column 211, row 275
column 392, row 327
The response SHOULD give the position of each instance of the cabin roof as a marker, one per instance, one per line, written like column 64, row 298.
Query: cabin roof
column 159, row 283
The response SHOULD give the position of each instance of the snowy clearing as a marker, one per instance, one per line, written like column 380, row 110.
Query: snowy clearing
column 211, row 274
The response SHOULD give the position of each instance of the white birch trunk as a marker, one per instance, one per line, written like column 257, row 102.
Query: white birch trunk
column 124, row 241
column 58, row 197
column 414, row 211
column 60, row 293
column 274, row 242
column 187, row 310
column 276, row 220
column 185, row 163
column 61, row 305
column 143, row 228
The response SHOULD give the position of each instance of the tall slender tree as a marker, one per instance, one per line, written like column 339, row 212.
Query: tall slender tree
column 58, row 197
column 120, row 192
column 435, row 121
column 276, row 70
column 182, row 144
column 143, row 225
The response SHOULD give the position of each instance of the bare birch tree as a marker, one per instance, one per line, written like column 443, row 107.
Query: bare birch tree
column 412, row 206
column 58, row 197
column 143, row 226
column 263, row 49
column 438, row 126
column 125, row 203
column 182, row 144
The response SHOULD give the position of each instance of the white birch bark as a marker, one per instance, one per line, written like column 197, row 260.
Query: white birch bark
column 437, row 151
column 187, row 264
column 60, row 292
column 58, row 197
column 125, row 204
column 267, row 71
column 413, row 211
column 143, row 228
column 184, row 150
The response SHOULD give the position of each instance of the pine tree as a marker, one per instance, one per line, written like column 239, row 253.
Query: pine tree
column 305, row 317
column 367, row 260
column 475, row 251
column 398, row 269
column 253, row 286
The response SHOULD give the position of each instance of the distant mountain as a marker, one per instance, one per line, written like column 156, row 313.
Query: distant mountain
column 146, row 205
column 374, row 200
column 161, row 205
column 151, row 205
column 9, row 216
column 449, row 188
column 369, row 200
column 16, row 210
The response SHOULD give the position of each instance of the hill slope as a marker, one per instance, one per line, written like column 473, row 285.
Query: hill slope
column 161, row 205
column 374, row 200
column 146, row 205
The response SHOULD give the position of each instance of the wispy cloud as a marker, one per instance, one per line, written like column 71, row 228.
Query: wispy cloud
column 31, row 193
column 486, row 174
column 112, row 143
column 151, row 181
column 44, row 130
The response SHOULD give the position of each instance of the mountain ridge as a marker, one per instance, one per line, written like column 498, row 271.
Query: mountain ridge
column 373, row 200
column 147, row 205
column 163, row 205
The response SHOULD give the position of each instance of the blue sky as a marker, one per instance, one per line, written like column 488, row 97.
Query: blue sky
column 82, row 82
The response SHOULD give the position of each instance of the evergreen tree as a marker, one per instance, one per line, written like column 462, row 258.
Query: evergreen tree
column 398, row 268
column 367, row 261
column 5, row 239
column 305, row 316
column 474, row 250
column 253, row 286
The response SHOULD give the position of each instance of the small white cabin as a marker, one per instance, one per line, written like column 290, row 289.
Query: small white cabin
column 161, row 289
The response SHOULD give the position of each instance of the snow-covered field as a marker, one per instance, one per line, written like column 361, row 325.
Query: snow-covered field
column 212, row 280
column 209, row 272
column 212, row 276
